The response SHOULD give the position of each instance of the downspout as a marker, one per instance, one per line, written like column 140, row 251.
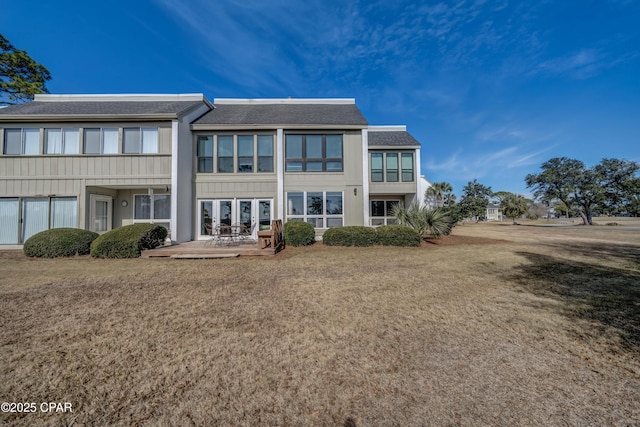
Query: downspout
column 173, row 224
column 365, row 176
column 280, row 174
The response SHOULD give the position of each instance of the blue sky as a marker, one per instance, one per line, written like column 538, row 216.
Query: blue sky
column 490, row 88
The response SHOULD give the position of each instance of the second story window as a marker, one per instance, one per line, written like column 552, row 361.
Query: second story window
column 62, row 141
column 243, row 154
column 205, row 153
column 314, row 153
column 377, row 168
column 140, row 140
column 22, row 141
column 392, row 166
column 225, row 153
column 407, row 167
column 265, row 153
column 101, row 141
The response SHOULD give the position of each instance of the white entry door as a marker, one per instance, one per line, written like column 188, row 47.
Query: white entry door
column 101, row 213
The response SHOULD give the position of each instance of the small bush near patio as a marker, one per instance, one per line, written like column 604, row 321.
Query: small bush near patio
column 59, row 242
column 351, row 235
column 398, row 235
column 128, row 241
column 298, row 233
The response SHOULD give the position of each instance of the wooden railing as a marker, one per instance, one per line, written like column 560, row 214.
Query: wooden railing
column 272, row 238
column 277, row 241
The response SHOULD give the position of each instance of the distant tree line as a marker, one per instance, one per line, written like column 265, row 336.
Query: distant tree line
column 611, row 187
column 566, row 186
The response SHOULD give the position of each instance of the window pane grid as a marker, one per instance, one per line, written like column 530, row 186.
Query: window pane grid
column 245, row 153
column 382, row 212
column 321, row 209
column 313, row 153
column 392, row 167
column 151, row 208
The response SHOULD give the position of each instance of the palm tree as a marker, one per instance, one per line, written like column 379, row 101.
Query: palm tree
column 449, row 199
column 426, row 221
column 514, row 206
column 437, row 192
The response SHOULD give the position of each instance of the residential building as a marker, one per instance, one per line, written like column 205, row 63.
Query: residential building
column 494, row 212
column 103, row 161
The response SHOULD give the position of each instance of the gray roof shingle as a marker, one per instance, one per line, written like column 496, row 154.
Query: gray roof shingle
column 392, row 138
column 98, row 108
column 283, row 114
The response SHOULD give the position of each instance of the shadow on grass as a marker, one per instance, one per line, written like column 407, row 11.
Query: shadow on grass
column 607, row 298
column 601, row 250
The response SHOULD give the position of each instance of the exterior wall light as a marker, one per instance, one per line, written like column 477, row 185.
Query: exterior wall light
column 124, row 203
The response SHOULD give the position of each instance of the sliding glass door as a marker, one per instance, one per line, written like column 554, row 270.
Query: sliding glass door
column 254, row 214
column 22, row 217
column 9, row 220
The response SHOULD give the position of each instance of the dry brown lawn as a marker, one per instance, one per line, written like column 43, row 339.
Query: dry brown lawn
column 495, row 325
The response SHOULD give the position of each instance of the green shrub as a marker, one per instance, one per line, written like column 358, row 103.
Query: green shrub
column 128, row 241
column 398, row 235
column 58, row 242
column 351, row 235
column 425, row 220
column 298, row 233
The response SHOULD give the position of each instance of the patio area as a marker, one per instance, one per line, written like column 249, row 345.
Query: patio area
column 206, row 249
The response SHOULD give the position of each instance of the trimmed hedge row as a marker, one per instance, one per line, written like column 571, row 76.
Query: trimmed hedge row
column 298, row 233
column 398, row 235
column 59, row 242
column 356, row 235
column 128, row 241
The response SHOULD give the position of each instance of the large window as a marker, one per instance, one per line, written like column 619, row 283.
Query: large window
column 101, row 141
column 322, row 209
column 392, row 166
column 313, row 153
column 225, row 153
column 265, row 153
column 382, row 212
column 377, row 168
column 205, row 153
column 62, row 141
column 153, row 208
column 22, row 141
column 245, row 153
column 140, row 140
column 21, row 218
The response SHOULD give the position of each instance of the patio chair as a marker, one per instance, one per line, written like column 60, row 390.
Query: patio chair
column 246, row 233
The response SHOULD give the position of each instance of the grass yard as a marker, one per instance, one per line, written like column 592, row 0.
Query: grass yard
column 495, row 325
